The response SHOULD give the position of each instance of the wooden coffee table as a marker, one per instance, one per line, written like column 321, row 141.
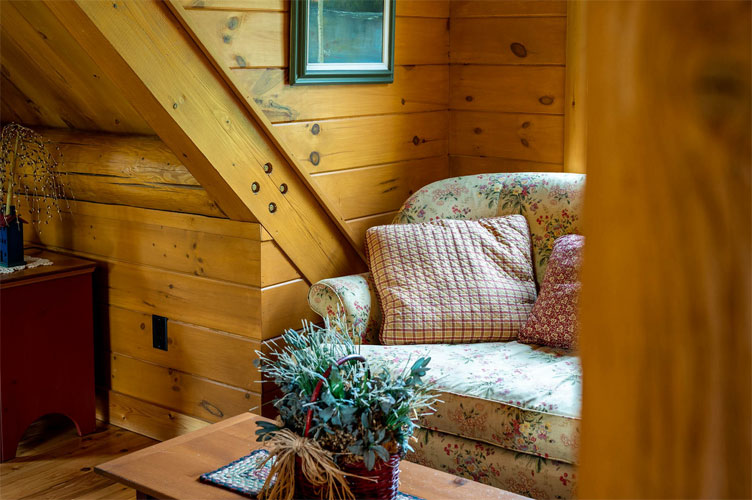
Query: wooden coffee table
column 171, row 469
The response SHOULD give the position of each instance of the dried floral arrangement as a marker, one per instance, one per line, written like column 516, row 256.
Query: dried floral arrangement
column 359, row 420
column 28, row 172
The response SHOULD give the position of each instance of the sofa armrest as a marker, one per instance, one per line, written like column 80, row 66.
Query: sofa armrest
column 354, row 295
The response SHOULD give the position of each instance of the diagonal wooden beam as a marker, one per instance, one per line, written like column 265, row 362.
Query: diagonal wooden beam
column 166, row 77
column 233, row 81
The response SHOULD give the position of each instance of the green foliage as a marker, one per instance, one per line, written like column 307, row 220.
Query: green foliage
column 358, row 413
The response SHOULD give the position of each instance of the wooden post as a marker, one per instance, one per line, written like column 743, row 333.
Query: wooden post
column 666, row 337
column 575, row 125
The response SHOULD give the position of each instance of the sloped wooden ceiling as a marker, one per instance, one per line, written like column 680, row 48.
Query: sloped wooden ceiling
column 48, row 79
column 48, row 82
column 150, row 59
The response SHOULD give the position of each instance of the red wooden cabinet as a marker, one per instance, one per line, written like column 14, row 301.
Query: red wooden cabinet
column 46, row 346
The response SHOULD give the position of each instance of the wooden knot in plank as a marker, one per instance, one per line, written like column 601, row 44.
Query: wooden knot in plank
column 546, row 100
column 211, row 408
column 518, row 49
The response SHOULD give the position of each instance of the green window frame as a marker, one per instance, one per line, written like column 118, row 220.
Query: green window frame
column 304, row 73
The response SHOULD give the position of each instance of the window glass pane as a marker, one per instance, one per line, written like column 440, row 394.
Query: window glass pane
column 345, row 31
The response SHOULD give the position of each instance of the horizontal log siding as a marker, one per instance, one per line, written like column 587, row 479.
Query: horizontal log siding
column 507, row 73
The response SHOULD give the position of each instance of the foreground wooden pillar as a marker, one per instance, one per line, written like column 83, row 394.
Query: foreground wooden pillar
column 666, row 341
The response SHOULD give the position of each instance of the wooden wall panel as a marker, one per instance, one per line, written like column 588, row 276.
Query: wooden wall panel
column 358, row 227
column 221, row 284
column 148, row 419
column 423, row 8
column 524, row 137
column 238, row 5
column 518, row 40
column 206, row 302
column 53, row 81
column 284, row 306
column 175, row 249
column 327, row 145
column 508, row 8
column 507, row 78
column 339, row 128
column 194, row 396
column 140, row 236
column 207, row 353
column 275, row 266
column 391, row 185
column 518, row 89
column 415, row 88
column 421, row 41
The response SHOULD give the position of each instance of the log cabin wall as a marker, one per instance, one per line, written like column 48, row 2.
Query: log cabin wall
column 507, row 77
column 367, row 146
column 164, row 248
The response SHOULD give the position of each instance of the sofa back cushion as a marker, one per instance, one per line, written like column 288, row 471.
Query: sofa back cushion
column 452, row 281
column 551, row 202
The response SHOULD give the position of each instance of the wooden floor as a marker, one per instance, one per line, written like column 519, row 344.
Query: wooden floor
column 53, row 462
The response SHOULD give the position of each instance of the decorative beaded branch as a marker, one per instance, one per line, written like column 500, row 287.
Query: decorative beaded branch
column 28, row 171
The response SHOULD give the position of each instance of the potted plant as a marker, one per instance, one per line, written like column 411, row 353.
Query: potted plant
column 342, row 428
column 28, row 174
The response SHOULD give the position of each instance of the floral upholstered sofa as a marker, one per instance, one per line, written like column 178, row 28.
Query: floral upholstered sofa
column 510, row 416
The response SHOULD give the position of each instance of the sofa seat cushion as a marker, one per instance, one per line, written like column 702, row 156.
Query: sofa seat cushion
column 521, row 397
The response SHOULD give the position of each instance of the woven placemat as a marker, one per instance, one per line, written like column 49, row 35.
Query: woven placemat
column 244, row 476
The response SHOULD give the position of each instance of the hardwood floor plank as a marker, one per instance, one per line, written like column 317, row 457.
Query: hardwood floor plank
column 53, row 462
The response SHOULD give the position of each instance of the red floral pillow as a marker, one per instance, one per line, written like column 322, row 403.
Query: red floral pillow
column 553, row 321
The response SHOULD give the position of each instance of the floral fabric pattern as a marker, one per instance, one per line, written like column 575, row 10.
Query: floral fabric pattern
column 553, row 321
column 526, row 475
column 355, row 296
column 551, row 202
column 520, row 397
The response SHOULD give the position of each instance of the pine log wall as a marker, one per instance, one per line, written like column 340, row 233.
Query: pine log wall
column 368, row 146
column 507, row 78
column 165, row 249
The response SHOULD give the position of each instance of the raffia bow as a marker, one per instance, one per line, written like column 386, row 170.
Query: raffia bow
column 317, row 466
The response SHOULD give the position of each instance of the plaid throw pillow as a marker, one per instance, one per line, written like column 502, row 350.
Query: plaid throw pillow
column 452, row 281
column 553, row 321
